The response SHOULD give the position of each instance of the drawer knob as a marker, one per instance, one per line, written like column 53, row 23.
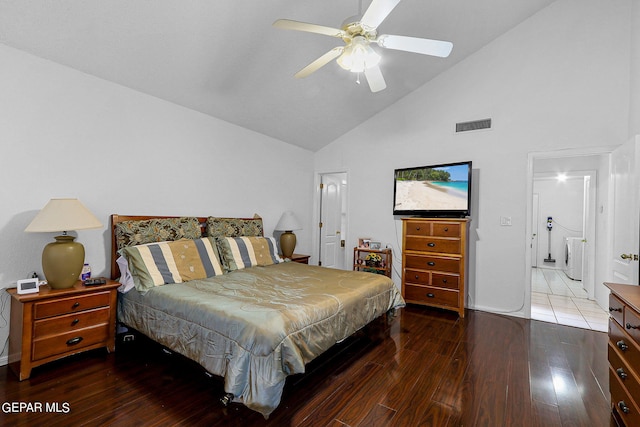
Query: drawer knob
column 417, row 228
column 75, row 305
column 431, row 245
column 621, row 373
column 615, row 309
column 622, row 346
column 431, row 263
column 446, row 229
column 444, row 280
column 623, row 407
column 74, row 341
column 430, row 295
column 75, row 322
column 417, row 277
column 630, row 326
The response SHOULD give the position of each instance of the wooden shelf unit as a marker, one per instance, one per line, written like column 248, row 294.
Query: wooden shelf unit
column 359, row 264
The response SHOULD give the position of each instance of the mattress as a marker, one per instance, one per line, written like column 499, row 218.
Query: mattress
column 256, row 326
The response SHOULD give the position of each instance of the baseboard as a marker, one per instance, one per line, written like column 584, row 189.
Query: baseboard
column 4, row 360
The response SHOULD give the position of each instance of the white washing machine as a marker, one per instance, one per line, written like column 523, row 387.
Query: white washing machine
column 573, row 257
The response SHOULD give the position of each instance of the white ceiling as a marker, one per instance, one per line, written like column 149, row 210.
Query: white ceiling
column 223, row 57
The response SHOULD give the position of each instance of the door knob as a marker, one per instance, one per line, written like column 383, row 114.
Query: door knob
column 631, row 257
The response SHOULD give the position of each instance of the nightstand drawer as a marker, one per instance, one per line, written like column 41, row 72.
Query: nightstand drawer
column 430, row 244
column 628, row 349
column 431, row 295
column 622, row 402
column 70, row 322
column 623, row 372
column 70, row 305
column 426, row 262
column 70, row 341
column 616, row 308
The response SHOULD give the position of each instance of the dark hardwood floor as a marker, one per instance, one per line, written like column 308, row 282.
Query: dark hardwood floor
column 430, row 369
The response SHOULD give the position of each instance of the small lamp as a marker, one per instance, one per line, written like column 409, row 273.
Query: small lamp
column 63, row 259
column 288, row 222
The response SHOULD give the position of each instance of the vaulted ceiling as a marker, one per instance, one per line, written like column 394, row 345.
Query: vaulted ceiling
column 223, row 57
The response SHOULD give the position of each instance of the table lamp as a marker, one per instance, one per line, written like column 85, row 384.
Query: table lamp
column 63, row 259
column 288, row 222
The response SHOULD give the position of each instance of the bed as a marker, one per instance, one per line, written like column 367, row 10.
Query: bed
column 253, row 319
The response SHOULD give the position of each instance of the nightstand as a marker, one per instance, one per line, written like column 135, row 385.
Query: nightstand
column 55, row 323
column 302, row 259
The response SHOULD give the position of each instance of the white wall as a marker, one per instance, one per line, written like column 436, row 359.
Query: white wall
column 64, row 133
column 559, row 80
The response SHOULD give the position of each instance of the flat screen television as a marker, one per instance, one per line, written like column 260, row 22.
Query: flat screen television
column 433, row 190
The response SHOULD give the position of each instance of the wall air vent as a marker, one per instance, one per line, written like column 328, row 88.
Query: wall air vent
column 474, row 125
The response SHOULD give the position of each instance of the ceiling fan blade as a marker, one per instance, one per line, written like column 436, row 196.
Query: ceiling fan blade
column 375, row 79
column 377, row 12
column 320, row 62
column 416, row 45
column 288, row 24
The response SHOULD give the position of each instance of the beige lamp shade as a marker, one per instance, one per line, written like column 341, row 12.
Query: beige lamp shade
column 288, row 222
column 63, row 259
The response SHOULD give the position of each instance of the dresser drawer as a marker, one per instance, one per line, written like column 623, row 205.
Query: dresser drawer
column 622, row 402
column 440, row 280
column 628, row 349
column 438, row 229
column 70, row 322
column 431, row 244
column 437, row 263
column 623, row 372
column 616, row 309
column 632, row 324
column 431, row 295
column 70, row 305
column 70, row 342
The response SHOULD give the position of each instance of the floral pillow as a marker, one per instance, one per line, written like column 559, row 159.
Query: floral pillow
column 234, row 227
column 131, row 233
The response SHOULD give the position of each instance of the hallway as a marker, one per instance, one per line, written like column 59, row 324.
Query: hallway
column 557, row 299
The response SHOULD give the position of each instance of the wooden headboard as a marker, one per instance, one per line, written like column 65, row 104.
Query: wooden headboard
column 115, row 219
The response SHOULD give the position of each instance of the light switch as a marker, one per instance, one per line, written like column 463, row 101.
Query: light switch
column 505, row 221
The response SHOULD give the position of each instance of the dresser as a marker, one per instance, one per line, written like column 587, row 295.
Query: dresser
column 624, row 353
column 434, row 262
column 55, row 323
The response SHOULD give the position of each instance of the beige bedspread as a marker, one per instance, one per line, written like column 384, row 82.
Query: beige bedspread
column 258, row 325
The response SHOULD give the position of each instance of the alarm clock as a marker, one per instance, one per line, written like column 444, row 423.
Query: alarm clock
column 28, row 286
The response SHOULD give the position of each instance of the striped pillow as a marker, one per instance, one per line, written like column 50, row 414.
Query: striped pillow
column 157, row 264
column 242, row 252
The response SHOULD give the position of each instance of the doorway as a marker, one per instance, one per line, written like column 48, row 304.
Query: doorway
column 332, row 226
column 562, row 238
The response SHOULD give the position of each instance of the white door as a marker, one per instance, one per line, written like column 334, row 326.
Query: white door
column 332, row 220
column 626, row 202
column 534, row 229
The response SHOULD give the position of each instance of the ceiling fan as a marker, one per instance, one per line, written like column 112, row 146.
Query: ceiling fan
column 358, row 34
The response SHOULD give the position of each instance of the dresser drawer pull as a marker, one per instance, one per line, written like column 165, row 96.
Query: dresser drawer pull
column 431, row 245
column 430, row 295
column 623, row 407
column 630, row 326
column 417, row 277
column 446, row 229
column 74, row 341
column 75, row 322
column 431, row 263
column 622, row 346
column 621, row 373
column 75, row 305
column 417, row 228
column 444, row 280
column 615, row 309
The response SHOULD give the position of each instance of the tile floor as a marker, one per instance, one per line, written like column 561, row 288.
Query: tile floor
column 556, row 298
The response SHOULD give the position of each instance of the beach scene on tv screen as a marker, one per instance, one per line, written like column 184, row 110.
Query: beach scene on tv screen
column 441, row 188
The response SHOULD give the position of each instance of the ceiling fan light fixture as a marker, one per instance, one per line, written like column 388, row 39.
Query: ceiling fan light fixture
column 358, row 56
